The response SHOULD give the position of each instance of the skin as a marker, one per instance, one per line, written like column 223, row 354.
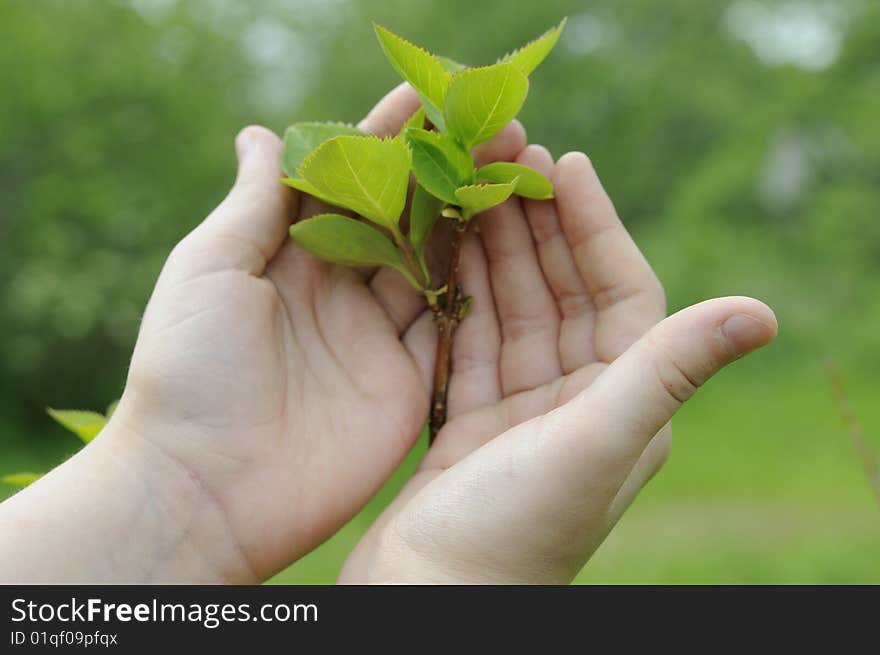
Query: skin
column 271, row 394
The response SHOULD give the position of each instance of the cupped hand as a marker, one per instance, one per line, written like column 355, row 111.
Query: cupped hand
column 564, row 379
column 284, row 388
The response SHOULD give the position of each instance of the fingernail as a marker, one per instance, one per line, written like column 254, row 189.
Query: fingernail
column 746, row 333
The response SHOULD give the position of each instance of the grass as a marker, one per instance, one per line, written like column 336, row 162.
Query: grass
column 763, row 486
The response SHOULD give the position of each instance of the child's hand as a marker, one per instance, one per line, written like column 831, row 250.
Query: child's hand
column 269, row 396
column 287, row 387
column 563, row 387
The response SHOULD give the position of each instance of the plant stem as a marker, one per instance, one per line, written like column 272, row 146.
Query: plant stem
column 411, row 263
column 447, row 319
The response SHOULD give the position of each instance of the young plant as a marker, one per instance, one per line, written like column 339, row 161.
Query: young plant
column 84, row 424
column 461, row 107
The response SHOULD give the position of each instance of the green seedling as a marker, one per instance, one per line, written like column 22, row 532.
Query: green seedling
column 461, row 107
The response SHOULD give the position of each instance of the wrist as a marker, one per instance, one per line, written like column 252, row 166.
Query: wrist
column 180, row 517
column 120, row 510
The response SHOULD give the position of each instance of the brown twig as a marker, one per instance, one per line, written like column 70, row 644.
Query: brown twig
column 854, row 427
column 447, row 318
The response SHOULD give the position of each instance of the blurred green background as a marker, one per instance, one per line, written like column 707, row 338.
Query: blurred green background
column 739, row 139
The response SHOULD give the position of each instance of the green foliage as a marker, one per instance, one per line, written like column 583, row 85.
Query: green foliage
column 424, row 212
column 108, row 127
column 452, row 67
column 345, row 241
column 466, row 106
column 420, row 68
column 301, row 139
column 529, row 182
column 476, row 198
column 440, row 164
column 364, row 174
column 20, row 480
column 481, row 101
column 84, row 424
column 530, row 56
column 307, row 187
column 417, row 120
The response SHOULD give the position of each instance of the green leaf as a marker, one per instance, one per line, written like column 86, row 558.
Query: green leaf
column 21, row 479
column 111, row 408
column 300, row 139
column 420, row 68
column 346, row 241
column 85, row 425
column 440, row 164
column 476, row 198
column 533, row 53
column 416, row 120
column 433, row 295
column 450, row 65
column 481, row 101
column 365, row 174
column 530, row 183
column 423, row 214
column 306, row 187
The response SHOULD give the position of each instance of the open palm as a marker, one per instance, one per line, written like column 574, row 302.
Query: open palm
column 542, row 453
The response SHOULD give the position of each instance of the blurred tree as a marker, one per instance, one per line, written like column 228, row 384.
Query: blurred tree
column 115, row 137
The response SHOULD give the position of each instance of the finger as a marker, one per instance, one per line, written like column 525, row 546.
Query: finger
column 576, row 330
column 597, row 438
column 504, row 146
column 625, row 292
column 559, row 474
column 526, row 310
column 647, row 466
column 420, row 340
column 391, row 112
column 474, row 379
column 398, row 298
column 476, row 428
column 247, row 228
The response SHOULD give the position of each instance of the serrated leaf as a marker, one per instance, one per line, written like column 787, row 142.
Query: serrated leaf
column 418, row 67
column 364, row 174
column 476, row 198
column 416, row 120
column 300, row 139
column 21, row 479
column 86, row 425
column 529, row 182
column 450, row 65
column 481, row 101
column 423, row 214
column 346, row 241
column 439, row 163
column 533, row 53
